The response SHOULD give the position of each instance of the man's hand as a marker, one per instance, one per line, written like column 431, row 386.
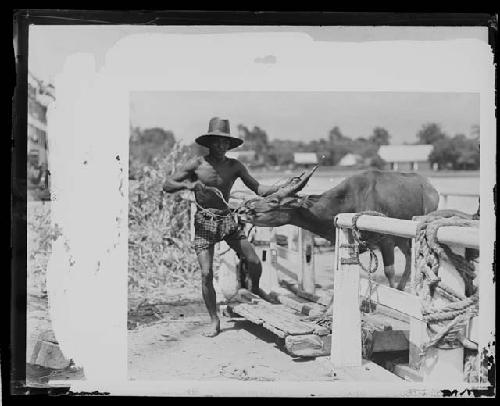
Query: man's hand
column 196, row 186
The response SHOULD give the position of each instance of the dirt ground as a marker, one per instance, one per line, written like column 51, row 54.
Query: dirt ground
column 165, row 342
column 173, row 348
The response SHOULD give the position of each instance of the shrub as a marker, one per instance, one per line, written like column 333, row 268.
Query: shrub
column 160, row 254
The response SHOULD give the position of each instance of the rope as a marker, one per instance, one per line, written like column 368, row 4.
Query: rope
column 446, row 323
column 367, row 304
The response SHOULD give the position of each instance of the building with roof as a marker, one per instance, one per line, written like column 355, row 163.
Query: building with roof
column 406, row 157
column 305, row 159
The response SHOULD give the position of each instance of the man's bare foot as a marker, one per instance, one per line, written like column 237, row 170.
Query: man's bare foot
column 213, row 330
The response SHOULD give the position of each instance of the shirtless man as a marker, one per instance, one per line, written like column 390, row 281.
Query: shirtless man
column 213, row 221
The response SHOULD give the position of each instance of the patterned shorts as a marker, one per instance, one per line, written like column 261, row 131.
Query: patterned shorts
column 209, row 230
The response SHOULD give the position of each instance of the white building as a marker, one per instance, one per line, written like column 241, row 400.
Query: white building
column 406, row 157
column 305, row 158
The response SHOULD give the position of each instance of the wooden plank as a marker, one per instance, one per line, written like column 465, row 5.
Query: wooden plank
column 275, row 316
column 394, row 299
column 244, row 311
column 320, row 296
column 391, row 340
column 385, row 321
column 294, row 302
column 346, row 330
column 284, row 320
column 308, row 345
column 274, row 330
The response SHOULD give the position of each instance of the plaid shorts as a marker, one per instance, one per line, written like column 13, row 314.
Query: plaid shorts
column 209, row 230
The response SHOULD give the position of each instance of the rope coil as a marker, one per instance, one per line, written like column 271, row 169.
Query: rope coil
column 446, row 323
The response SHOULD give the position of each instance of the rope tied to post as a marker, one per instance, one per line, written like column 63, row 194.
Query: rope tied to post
column 447, row 322
column 367, row 305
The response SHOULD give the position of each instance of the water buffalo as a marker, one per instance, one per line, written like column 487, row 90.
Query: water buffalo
column 395, row 194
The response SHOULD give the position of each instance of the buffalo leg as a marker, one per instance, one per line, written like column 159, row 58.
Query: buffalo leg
column 405, row 248
column 387, row 250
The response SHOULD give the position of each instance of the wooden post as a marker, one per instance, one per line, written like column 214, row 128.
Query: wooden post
column 306, row 273
column 418, row 328
column 267, row 254
column 346, row 326
column 300, row 250
column 443, row 364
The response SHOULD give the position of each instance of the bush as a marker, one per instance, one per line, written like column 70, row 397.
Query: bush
column 160, row 254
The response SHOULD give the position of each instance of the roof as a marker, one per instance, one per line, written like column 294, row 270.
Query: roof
column 305, row 158
column 405, row 153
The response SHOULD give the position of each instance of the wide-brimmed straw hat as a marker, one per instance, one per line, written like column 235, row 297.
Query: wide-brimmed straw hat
column 218, row 128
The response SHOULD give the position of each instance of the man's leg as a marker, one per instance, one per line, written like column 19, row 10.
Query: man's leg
column 247, row 253
column 205, row 259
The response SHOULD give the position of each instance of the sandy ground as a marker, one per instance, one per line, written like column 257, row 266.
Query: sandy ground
column 173, row 347
column 167, row 344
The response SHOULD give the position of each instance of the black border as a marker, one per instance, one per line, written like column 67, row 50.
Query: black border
column 13, row 355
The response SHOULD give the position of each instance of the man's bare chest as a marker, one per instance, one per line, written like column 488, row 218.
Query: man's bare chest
column 218, row 175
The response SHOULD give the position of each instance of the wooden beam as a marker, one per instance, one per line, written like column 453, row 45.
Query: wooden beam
column 462, row 236
column 390, row 340
column 308, row 345
column 394, row 299
column 306, row 279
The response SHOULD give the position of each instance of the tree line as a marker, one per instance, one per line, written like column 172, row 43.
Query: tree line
column 457, row 152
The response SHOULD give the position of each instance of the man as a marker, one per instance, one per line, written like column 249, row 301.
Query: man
column 213, row 220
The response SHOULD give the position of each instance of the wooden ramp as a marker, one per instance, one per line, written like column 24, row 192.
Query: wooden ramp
column 305, row 338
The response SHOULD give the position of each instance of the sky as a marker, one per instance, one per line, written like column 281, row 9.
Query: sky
column 306, row 116
column 285, row 115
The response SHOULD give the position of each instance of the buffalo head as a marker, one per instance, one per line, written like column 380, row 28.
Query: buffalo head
column 278, row 208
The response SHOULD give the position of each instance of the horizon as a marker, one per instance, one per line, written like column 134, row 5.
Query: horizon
column 306, row 116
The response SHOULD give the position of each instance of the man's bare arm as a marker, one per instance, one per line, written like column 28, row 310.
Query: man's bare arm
column 182, row 178
column 252, row 183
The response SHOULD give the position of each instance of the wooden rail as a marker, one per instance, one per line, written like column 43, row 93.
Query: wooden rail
column 464, row 237
column 437, row 365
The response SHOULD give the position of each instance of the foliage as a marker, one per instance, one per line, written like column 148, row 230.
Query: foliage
column 430, row 133
column 160, row 254
column 458, row 152
column 147, row 145
column 380, row 136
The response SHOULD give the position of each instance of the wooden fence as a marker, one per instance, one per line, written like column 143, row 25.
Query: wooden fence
column 437, row 365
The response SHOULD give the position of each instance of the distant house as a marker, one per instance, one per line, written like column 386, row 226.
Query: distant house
column 406, row 157
column 350, row 160
column 305, row 159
